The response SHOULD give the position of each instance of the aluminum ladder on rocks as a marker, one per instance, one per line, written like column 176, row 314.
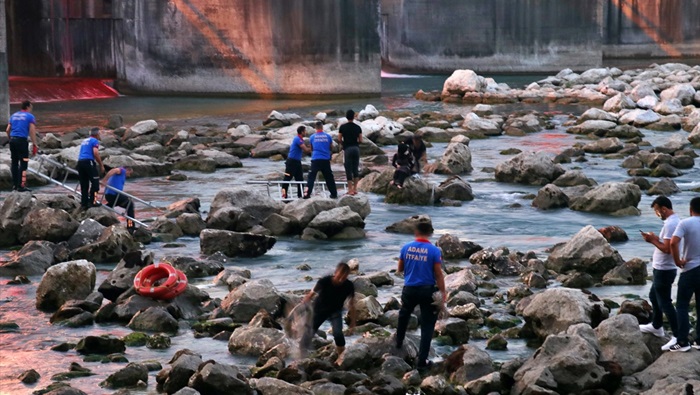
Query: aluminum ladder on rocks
column 54, row 168
column 319, row 187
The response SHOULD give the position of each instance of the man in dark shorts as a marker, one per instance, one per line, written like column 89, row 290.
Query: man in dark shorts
column 293, row 167
column 421, row 263
column 20, row 129
column 116, row 178
column 351, row 137
column 322, row 148
column 331, row 291
column 87, row 169
column 418, row 149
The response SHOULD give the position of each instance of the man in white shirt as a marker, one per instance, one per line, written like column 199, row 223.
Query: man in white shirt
column 688, row 260
column 664, row 272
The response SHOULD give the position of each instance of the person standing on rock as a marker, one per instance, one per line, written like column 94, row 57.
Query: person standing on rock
column 688, row 230
column 293, row 167
column 321, row 145
column 331, row 293
column 350, row 135
column 421, row 263
column 88, row 160
column 20, row 129
column 664, row 273
column 419, row 150
column 116, row 178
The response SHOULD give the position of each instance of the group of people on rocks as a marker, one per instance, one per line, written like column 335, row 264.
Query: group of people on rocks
column 420, row 263
column 22, row 127
column 676, row 246
column 407, row 161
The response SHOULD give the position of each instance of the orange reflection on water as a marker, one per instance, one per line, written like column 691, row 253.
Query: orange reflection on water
column 647, row 15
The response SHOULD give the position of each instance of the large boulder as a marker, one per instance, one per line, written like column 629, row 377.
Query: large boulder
column 246, row 300
column 554, row 310
column 408, row 225
column 550, row 197
column 302, row 211
column 153, row 319
column 333, row 221
column 462, row 81
column 415, row 191
column 234, row 244
column 679, row 367
column 457, row 159
column 272, row 386
column 12, row 214
column 183, row 365
column 454, row 188
column 121, row 278
column 565, row 364
column 63, row 282
column 682, row 92
column 357, row 203
column 254, row 203
column 88, row 232
column 114, row 242
column 621, row 342
column 214, row 378
column 615, row 198
column 588, row 252
column 33, row 259
column 529, row 168
column 48, row 224
column 471, row 363
column 254, row 341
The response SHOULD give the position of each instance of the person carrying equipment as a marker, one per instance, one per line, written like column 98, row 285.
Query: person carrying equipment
column 87, row 169
column 116, row 178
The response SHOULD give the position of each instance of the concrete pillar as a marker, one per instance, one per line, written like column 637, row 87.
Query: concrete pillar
column 4, row 75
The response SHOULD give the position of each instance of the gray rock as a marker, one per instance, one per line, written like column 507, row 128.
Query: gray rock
column 191, row 224
column 33, row 259
column 415, row 191
column 47, row 224
column 103, row 345
column 457, row 159
column 616, row 198
column 472, row 364
column 121, row 278
column 234, row 244
column 588, row 251
column 244, row 302
column 153, row 319
column 357, row 203
column 256, row 204
column 215, row 378
column 408, row 225
column 88, row 232
column 113, row 243
column 529, row 168
column 621, row 342
column 302, row 211
column 333, row 221
column 65, row 281
column 554, row 310
column 270, row 386
column 454, row 188
column 183, row 365
column 550, row 197
column 451, row 246
column 128, row 376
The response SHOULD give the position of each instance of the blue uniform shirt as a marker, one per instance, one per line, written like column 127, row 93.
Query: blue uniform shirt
column 321, row 143
column 19, row 124
column 86, row 148
column 419, row 259
column 295, row 151
column 117, row 182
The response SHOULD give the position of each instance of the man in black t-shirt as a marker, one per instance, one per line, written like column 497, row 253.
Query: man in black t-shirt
column 332, row 292
column 418, row 149
column 351, row 137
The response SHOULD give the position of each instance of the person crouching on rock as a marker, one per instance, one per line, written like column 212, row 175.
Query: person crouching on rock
column 403, row 163
column 115, row 180
column 331, row 293
column 421, row 263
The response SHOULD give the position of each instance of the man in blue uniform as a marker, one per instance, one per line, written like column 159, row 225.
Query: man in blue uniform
column 321, row 144
column 21, row 127
column 421, row 263
column 293, row 167
column 89, row 177
column 116, row 178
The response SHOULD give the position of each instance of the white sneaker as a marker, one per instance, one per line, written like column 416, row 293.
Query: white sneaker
column 649, row 328
column 695, row 345
column 678, row 348
column 670, row 344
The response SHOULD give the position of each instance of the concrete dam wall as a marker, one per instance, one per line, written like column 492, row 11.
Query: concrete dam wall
column 534, row 35
column 322, row 47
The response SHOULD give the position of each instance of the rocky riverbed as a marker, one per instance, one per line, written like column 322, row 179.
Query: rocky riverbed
column 540, row 301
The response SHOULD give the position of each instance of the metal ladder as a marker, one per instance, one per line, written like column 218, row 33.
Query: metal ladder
column 319, row 188
column 57, row 167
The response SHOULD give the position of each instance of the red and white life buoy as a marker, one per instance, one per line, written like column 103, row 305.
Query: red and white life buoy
column 160, row 281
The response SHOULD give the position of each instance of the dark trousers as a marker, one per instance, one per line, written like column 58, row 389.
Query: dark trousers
column 89, row 181
column 688, row 285
column 660, row 298
column 410, row 298
column 19, row 154
column 352, row 162
column 400, row 175
column 124, row 202
column 324, row 166
column 336, row 319
column 293, row 170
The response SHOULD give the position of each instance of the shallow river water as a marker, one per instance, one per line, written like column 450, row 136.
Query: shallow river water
column 492, row 219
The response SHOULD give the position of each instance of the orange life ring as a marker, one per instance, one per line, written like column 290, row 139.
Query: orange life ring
column 179, row 287
column 156, row 281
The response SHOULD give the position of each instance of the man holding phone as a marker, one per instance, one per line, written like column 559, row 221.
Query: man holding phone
column 664, row 272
